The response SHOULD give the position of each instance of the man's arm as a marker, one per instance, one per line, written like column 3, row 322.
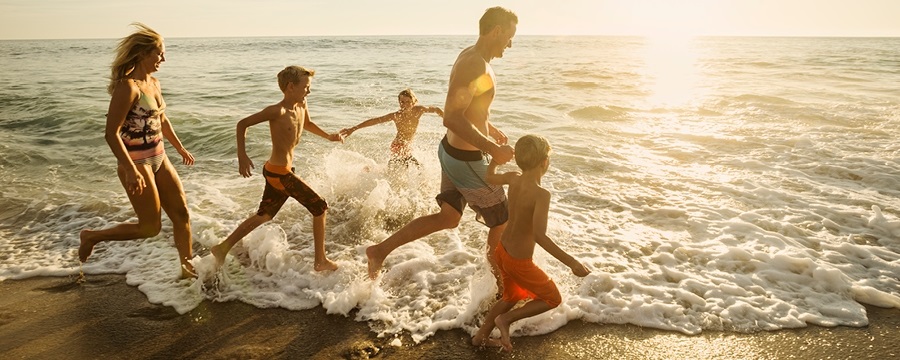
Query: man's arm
column 497, row 134
column 463, row 86
column 244, row 163
column 310, row 126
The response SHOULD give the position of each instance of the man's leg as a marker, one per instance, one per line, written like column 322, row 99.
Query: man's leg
column 446, row 218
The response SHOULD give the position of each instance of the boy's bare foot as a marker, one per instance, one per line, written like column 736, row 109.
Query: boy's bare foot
column 219, row 253
column 376, row 261
column 87, row 245
column 480, row 341
column 324, row 265
column 503, row 326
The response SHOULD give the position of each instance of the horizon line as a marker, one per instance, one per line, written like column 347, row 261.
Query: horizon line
column 473, row 35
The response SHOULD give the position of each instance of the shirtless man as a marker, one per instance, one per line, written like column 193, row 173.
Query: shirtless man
column 287, row 120
column 407, row 122
column 469, row 133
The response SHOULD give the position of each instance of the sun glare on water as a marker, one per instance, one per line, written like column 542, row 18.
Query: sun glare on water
column 670, row 69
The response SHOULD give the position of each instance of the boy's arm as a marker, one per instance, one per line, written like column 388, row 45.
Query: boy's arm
column 310, row 126
column 169, row 133
column 459, row 96
column 494, row 178
column 539, row 219
column 244, row 162
column 367, row 123
column 434, row 110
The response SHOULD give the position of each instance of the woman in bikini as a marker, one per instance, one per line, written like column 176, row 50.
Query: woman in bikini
column 136, row 124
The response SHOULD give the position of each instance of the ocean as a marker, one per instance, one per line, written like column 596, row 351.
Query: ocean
column 718, row 183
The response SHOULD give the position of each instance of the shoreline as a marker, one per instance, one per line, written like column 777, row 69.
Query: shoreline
column 54, row 317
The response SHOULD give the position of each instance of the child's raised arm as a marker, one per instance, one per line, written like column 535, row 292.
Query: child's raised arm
column 373, row 121
column 434, row 110
column 541, row 209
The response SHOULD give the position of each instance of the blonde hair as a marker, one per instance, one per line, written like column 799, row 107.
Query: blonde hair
column 531, row 151
column 409, row 93
column 131, row 50
column 292, row 74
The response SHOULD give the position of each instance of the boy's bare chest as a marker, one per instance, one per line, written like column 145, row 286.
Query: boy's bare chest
column 290, row 122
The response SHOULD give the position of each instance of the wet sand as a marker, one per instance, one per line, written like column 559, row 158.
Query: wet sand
column 56, row 318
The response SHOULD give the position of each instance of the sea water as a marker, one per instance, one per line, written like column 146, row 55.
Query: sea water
column 736, row 184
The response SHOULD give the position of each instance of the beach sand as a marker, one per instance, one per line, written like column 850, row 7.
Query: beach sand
column 56, row 318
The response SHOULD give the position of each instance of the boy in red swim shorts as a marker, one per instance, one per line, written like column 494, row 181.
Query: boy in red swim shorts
column 529, row 205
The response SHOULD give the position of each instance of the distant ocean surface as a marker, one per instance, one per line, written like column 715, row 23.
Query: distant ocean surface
column 736, row 184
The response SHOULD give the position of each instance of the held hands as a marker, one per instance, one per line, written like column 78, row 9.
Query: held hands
column 345, row 132
column 245, row 165
column 503, row 154
column 339, row 136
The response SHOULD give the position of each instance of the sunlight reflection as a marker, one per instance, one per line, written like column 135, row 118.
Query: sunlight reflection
column 671, row 72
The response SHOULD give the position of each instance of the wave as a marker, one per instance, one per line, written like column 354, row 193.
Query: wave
column 600, row 113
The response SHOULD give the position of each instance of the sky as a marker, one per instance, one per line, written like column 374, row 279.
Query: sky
column 87, row 19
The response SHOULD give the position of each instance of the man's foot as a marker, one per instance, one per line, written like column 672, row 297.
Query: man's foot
column 325, row 265
column 376, row 261
column 503, row 326
column 87, row 245
column 219, row 253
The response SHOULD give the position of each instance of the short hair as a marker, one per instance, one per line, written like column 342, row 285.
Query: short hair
column 409, row 93
column 292, row 74
column 496, row 16
column 531, row 151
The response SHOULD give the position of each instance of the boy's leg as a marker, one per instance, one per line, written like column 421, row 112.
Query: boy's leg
column 503, row 321
column 483, row 336
column 221, row 250
column 147, row 208
column 272, row 200
column 321, row 262
column 494, row 235
column 447, row 218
